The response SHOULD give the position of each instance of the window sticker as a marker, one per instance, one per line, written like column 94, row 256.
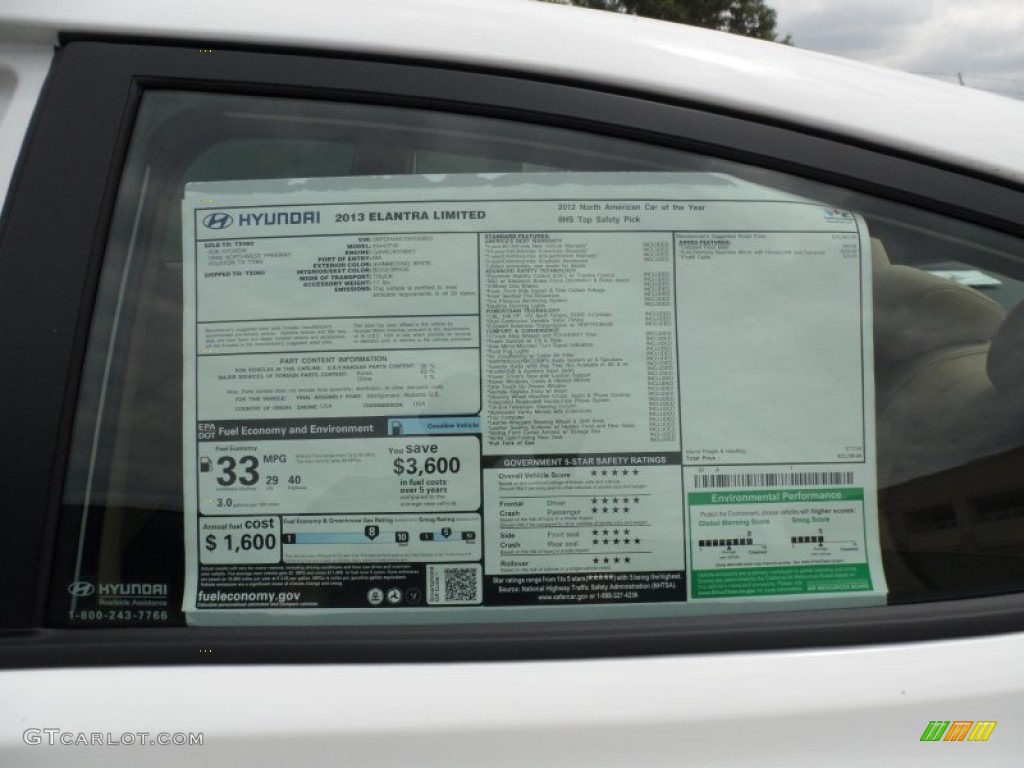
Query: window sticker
column 440, row 398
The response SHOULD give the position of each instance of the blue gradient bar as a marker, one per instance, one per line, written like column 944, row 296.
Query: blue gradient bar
column 331, row 538
column 441, row 425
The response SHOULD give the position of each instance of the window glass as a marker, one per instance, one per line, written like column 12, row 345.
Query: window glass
column 353, row 363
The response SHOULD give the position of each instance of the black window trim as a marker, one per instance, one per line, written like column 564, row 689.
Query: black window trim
column 56, row 222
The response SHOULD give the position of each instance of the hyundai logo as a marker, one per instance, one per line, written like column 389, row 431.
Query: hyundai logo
column 218, row 220
column 81, row 588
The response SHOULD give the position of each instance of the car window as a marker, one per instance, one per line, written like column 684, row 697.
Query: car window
column 561, row 396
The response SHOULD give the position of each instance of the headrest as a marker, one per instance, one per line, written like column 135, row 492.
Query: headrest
column 879, row 256
column 917, row 313
column 1006, row 355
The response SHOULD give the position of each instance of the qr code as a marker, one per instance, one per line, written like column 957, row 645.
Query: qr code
column 454, row 584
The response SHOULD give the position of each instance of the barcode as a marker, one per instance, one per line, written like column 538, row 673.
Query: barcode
column 772, row 479
column 454, row 584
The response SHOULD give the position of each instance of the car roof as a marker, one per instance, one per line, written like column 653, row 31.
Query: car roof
column 947, row 123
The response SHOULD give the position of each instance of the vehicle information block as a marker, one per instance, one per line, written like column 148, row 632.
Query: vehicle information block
column 524, row 390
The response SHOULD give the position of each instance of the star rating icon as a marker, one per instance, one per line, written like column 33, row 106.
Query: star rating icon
column 612, row 560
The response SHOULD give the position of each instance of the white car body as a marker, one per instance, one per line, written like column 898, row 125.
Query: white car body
column 808, row 706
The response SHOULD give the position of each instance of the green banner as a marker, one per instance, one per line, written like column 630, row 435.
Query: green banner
column 784, row 580
column 781, row 496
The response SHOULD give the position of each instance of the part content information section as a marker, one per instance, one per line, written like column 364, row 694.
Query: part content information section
column 450, row 396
